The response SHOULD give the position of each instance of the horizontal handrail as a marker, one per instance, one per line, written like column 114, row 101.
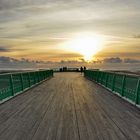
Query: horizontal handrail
column 124, row 85
column 13, row 83
column 16, row 72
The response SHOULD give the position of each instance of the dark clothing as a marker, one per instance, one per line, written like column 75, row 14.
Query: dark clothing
column 81, row 69
column 84, row 68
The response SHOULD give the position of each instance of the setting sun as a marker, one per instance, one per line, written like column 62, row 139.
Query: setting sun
column 87, row 45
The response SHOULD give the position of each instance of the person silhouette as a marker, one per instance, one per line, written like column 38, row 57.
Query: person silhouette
column 84, row 68
column 81, row 69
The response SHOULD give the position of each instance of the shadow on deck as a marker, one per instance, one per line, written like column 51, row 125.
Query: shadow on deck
column 68, row 107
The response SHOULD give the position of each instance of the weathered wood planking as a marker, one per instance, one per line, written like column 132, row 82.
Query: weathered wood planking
column 68, row 107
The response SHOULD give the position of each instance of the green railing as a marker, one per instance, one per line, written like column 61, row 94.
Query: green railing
column 127, row 86
column 13, row 83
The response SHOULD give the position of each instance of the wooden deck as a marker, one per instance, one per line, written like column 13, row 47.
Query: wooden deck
column 68, row 107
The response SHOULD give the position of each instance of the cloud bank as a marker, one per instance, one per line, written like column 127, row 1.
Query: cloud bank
column 8, row 63
column 37, row 28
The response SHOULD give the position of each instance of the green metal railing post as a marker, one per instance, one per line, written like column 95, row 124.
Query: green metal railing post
column 113, row 84
column 21, row 79
column 106, row 79
column 38, row 76
column 101, row 78
column 44, row 75
column 34, row 78
column 11, row 84
column 123, row 85
column 29, row 79
column 137, row 91
column 98, row 74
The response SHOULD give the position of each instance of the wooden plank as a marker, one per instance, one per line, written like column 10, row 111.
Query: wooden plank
column 68, row 107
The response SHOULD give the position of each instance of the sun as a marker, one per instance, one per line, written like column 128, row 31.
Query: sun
column 87, row 45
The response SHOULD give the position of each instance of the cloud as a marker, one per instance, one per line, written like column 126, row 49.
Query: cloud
column 113, row 60
column 137, row 36
column 120, row 60
column 133, row 52
column 50, row 19
column 4, row 49
column 108, row 63
column 4, row 59
column 12, row 63
column 129, row 60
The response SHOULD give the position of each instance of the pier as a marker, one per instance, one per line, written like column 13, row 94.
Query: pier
column 68, row 107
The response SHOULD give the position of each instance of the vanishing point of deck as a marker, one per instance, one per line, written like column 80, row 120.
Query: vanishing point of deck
column 68, row 107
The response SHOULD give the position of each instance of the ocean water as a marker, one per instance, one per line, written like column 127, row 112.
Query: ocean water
column 118, row 66
column 101, row 66
column 105, row 66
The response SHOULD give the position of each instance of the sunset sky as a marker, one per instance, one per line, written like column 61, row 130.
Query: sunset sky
column 55, row 30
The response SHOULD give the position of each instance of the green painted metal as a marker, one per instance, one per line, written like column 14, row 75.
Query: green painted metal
column 137, row 92
column 14, row 83
column 106, row 80
column 11, row 85
column 125, row 85
column 130, row 87
column 29, row 79
column 21, row 79
column 113, row 85
column 110, row 80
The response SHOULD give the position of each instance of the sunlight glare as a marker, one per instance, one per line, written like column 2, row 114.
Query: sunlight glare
column 88, row 46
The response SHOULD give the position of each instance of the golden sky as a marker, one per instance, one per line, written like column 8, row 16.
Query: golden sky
column 69, row 30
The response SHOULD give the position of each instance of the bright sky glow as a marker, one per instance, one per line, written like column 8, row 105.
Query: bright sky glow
column 55, row 30
column 87, row 45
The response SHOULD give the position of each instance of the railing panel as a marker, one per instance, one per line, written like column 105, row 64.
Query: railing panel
column 110, row 80
column 36, row 77
column 11, row 84
column 130, row 87
column 26, row 82
column 138, row 92
column 17, row 85
column 125, row 85
column 118, row 83
column 5, row 87
column 104, row 78
column 32, row 78
column 99, row 76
